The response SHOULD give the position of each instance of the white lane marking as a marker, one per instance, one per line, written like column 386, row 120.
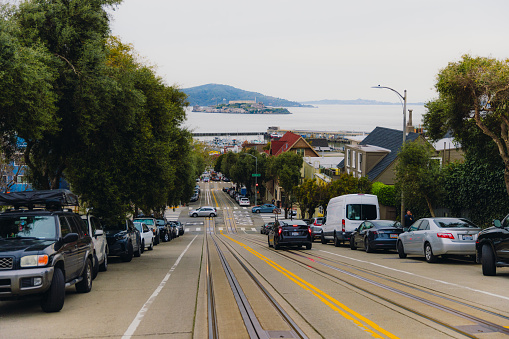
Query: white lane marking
column 421, row 276
column 187, row 229
column 242, row 228
column 253, row 229
column 220, row 228
column 198, row 229
column 139, row 317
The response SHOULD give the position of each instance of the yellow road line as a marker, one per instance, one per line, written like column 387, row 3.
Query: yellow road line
column 213, row 195
column 334, row 304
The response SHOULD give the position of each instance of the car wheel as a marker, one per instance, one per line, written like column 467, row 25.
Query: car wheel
column 367, row 247
column 151, row 247
column 308, row 246
column 127, row 257
column 85, row 285
column 257, row 211
column 268, row 242
column 401, row 250
column 166, row 237
column 194, row 215
column 336, row 240
column 488, row 261
column 212, row 215
column 53, row 299
column 95, row 269
column 104, row 266
column 352, row 244
column 141, row 247
column 428, row 252
column 322, row 239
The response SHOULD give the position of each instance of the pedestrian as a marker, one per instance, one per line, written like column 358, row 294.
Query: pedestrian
column 273, row 201
column 409, row 219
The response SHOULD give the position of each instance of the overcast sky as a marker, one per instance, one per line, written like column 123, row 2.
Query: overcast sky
column 312, row 50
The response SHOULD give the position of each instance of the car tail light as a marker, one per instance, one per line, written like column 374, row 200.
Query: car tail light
column 309, row 230
column 343, row 225
column 376, row 233
column 445, row 235
column 280, row 230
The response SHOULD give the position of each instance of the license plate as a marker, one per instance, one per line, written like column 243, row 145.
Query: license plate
column 468, row 237
column 295, row 233
column 394, row 236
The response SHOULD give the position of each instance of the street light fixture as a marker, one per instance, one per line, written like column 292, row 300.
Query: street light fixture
column 256, row 177
column 404, row 139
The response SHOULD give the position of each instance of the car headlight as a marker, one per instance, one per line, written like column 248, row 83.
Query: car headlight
column 34, row 260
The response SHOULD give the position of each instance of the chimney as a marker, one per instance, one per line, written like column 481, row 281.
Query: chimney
column 409, row 125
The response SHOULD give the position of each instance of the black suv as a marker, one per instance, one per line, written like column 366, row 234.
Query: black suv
column 164, row 230
column 287, row 232
column 43, row 250
column 492, row 247
column 124, row 240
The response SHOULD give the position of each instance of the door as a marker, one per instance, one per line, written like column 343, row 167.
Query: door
column 408, row 238
column 83, row 243
column 69, row 250
column 420, row 236
column 99, row 240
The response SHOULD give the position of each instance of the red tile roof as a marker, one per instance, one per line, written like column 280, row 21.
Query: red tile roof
column 284, row 143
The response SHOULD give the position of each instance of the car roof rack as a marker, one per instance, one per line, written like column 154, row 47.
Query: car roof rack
column 54, row 199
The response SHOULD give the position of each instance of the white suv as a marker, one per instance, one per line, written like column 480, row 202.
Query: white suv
column 95, row 229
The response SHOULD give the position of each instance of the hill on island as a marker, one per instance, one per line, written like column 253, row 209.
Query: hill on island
column 214, row 94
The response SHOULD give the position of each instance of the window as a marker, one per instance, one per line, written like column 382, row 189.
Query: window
column 300, row 151
column 361, row 212
column 359, row 158
column 348, row 156
column 353, row 159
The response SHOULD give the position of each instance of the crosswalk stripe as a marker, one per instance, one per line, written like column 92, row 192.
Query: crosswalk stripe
column 253, row 229
column 220, row 228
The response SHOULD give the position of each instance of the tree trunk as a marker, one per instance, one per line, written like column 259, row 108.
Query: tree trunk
column 431, row 211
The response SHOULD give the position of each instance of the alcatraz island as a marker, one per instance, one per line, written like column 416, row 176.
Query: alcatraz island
column 241, row 107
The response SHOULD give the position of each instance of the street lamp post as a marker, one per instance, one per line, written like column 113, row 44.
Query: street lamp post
column 256, row 177
column 404, row 139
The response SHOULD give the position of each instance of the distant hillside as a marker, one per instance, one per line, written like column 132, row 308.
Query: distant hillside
column 214, row 94
column 354, row 102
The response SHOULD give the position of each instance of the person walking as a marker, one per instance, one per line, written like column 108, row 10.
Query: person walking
column 409, row 219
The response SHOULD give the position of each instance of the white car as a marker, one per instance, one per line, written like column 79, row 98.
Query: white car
column 244, row 202
column 205, row 211
column 95, row 229
column 147, row 236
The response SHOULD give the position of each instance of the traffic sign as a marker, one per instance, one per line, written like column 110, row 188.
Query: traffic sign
column 256, row 175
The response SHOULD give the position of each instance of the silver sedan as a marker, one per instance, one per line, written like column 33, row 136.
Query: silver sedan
column 205, row 211
column 431, row 237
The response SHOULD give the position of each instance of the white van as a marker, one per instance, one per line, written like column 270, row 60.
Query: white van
column 345, row 213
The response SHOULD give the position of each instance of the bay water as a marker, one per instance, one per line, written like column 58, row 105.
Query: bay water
column 325, row 118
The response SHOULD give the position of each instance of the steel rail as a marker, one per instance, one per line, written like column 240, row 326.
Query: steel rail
column 211, row 304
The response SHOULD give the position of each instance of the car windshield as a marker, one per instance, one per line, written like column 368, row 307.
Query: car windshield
column 386, row 223
column 361, row 212
column 451, row 223
column 146, row 221
column 39, row 227
column 118, row 226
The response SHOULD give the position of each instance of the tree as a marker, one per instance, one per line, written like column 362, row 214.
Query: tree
column 418, row 175
column 473, row 98
column 285, row 168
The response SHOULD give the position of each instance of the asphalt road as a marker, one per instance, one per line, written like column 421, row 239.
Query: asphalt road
column 326, row 292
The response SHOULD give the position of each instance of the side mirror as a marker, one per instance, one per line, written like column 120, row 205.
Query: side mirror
column 98, row 232
column 356, row 229
column 405, row 229
column 497, row 223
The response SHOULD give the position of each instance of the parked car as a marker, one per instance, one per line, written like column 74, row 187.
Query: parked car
column 205, row 211
column 316, row 227
column 152, row 224
column 164, row 230
column 265, row 208
column 174, row 229
column 225, row 179
column 244, row 202
column 266, row 227
column 492, row 247
column 345, row 213
column 287, row 232
column 95, row 229
column 147, row 236
column 180, row 227
column 432, row 237
column 43, row 250
column 376, row 234
column 195, row 197
column 123, row 240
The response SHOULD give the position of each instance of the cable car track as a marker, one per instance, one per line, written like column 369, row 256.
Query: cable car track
column 310, row 261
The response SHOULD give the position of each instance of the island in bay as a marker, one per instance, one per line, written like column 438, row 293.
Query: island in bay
column 241, row 107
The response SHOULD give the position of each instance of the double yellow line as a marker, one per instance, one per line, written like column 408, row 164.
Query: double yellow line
column 364, row 323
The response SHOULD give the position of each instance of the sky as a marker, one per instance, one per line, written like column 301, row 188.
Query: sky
column 312, row 50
